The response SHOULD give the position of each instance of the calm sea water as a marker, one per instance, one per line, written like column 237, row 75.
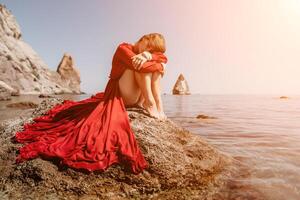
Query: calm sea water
column 262, row 133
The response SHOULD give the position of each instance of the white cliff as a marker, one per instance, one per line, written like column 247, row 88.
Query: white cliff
column 21, row 69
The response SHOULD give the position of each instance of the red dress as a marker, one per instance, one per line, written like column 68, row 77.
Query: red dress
column 93, row 133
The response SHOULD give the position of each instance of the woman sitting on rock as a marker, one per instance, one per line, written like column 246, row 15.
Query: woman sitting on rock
column 94, row 133
column 143, row 89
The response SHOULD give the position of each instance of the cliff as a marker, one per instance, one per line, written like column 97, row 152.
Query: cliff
column 181, row 166
column 22, row 71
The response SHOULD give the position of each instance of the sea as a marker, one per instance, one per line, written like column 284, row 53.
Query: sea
column 260, row 132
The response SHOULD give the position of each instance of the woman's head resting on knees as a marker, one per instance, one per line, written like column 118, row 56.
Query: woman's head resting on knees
column 153, row 42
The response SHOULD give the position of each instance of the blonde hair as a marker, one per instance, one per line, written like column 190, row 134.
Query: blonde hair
column 153, row 42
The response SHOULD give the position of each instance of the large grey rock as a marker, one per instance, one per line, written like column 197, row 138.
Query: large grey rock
column 181, row 86
column 181, row 166
column 21, row 69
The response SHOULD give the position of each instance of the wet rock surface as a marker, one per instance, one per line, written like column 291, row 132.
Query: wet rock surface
column 181, row 166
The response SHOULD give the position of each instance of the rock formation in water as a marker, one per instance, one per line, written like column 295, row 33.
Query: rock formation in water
column 181, row 86
column 22, row 105
column 284, row 97
column 21, row 69
column 201, row 116
column 69, row 73
column 181, row 166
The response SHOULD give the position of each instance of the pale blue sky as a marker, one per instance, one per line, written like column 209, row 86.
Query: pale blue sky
column 222, row 47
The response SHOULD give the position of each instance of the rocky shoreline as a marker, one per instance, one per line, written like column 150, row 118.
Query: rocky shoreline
column 22, row 70
column 181, row 166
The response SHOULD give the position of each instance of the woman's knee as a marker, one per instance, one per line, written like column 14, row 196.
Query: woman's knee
column 142, row 76
column 155, row 80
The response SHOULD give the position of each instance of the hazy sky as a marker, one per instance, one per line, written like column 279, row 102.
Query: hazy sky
column 221, row 46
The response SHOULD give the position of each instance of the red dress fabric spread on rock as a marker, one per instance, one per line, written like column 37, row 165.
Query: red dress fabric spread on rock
column 93, row 133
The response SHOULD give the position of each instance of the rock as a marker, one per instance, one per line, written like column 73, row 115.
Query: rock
column 284, row 97
column 15, row 92
column 44, row 96
column 69, row 73
column 5, row 92
column 22, row 105
column 21, row 68
column 181, row 86
column 4, row 97
column 181, row 166
column 205, row 117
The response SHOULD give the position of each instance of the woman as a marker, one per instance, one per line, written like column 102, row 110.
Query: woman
column 143, row 89
column 94, row 133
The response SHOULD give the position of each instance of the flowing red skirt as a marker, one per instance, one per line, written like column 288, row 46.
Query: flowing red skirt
column 90, row 134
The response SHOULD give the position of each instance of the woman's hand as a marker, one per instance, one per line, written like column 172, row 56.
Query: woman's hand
column 147, row 55
column 139, row 59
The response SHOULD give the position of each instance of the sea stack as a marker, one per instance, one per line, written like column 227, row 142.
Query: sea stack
column 69, row 73
column 181, row 86
column 22, row 71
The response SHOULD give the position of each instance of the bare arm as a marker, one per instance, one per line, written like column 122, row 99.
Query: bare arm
column 125, row 54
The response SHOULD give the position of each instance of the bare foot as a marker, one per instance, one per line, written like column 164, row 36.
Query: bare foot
column 162, row 115
column 140, row 105
column 140, row 102
column 151, row 109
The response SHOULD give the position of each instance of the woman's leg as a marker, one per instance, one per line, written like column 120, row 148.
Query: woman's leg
column 144, row 82
column 141, row 101
column 129, row 89
column 156, row 91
